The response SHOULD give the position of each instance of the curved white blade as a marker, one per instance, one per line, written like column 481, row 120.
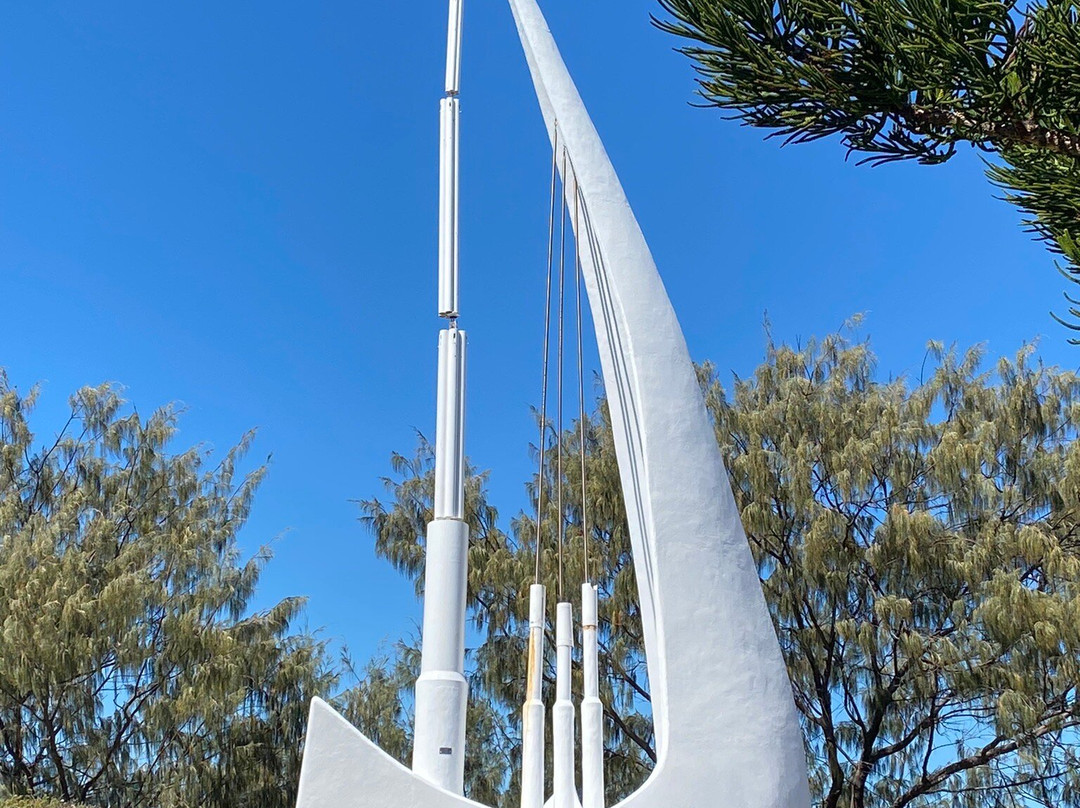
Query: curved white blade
column 726, row 726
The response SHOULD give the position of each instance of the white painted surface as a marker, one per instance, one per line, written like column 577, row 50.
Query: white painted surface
column 592, row 709
column 449, row 133
column 563, row 724
column 726, row 726
column 453, row 47
column 442, row 691
column 450, row 426
column 343, row 769
column 533, row 712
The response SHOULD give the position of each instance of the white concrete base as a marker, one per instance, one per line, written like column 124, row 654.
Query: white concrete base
column 442, row 692
column 343, row 769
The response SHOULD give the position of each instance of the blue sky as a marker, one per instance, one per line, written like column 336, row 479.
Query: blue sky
column 232, row 206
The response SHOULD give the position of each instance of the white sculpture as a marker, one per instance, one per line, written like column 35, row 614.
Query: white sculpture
column 727, row 733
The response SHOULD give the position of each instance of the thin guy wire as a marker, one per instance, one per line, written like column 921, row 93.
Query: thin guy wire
column 547, row 354
column 581, row 382
column 559, row 438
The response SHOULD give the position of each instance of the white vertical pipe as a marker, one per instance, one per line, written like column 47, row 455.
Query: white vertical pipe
column 453, row 47
column 532, row 713
column 449, row 193
column 442, row 691
column 450, row 426
column 562, row 718
column 592, row 709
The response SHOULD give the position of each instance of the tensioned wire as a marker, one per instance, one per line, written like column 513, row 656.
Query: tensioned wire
column 567, row 165
column 547, row 353
column 581, row 380
column 559, row 436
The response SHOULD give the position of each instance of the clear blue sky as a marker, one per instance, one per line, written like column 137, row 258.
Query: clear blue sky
column 232, row 205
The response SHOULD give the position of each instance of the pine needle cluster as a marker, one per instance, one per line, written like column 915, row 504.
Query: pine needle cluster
column 909, row 80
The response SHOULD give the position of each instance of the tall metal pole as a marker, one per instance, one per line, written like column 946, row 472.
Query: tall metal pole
column 442, row 691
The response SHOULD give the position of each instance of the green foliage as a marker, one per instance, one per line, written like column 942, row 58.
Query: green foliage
column 919, row 549
column 33, row 802
column 131, row 670
column 909, row 79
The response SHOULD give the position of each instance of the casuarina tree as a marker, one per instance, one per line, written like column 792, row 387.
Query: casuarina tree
column 132, row 671
column 919, row 548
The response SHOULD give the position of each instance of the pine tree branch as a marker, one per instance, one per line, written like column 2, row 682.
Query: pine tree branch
column 625, row 729
column 930, row 121
column 993, row 750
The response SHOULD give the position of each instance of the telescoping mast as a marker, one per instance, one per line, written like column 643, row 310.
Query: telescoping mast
column 442, row 691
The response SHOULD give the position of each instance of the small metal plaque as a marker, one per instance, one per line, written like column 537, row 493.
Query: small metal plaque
column 446, row 750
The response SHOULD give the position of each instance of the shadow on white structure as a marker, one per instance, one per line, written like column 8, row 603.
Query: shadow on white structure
column 727, row 732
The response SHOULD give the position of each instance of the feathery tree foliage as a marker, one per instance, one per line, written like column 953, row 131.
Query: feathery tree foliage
column 34, row 802
column 919, row 548
column 909, row 80
column 131, row 671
